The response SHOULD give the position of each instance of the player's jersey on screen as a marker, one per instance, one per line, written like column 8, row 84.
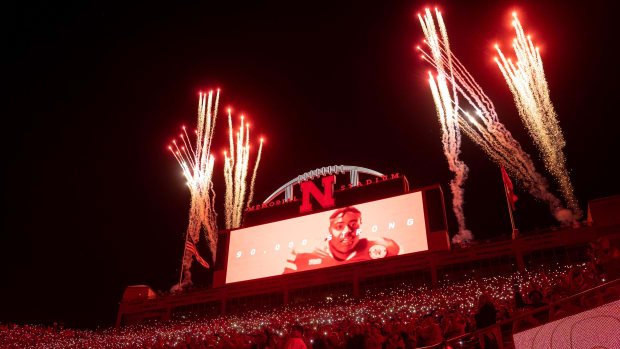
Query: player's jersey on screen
column 365, row 249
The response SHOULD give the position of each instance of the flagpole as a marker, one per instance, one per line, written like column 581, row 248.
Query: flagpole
column 512, row 220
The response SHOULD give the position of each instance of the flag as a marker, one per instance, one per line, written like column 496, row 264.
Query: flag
column 510, row 194
column 192, row 249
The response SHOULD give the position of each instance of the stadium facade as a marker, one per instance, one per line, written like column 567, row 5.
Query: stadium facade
column 248, row 269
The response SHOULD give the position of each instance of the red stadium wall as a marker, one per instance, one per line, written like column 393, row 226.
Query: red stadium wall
column 567, row 245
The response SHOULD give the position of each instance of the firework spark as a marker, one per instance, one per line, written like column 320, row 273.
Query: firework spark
column 197, row 165
column 253, row 181
column 447, row 112
column 526, row 80
column 484, row 127
column 235, row 173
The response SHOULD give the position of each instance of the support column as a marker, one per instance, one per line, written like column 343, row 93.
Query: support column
column 168, row 314
column 520, row 262
column 516, row 249
column 288, row 193
column 354, row 177
column 119, row 317
column 433, row 266
column 223, row 307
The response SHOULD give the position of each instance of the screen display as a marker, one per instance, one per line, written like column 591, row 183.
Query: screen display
column 372, row 230
column 596, row 328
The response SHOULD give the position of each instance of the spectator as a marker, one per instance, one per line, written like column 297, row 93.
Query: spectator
column 296, row 340
column 387, row 318
column 429, row 332
column 486, row 317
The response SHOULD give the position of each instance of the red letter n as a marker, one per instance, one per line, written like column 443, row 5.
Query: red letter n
column 325, row 199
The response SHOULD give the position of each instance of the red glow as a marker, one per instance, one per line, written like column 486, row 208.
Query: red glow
column 262, row 251
column 325, row 198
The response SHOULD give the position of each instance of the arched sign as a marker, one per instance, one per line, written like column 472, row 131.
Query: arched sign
column 353, row 172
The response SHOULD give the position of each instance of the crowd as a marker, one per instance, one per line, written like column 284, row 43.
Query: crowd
column 402, row 317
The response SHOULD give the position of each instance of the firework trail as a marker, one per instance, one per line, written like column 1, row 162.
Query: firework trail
column 484, row 127
column 197, row 165
column 253, row 181
column 526, row 80
column 447, row 112
column 235, row 173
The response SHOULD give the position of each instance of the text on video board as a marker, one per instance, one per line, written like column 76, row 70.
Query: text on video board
column 373, row 230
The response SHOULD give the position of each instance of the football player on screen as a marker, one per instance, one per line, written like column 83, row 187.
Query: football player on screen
column 343, row 245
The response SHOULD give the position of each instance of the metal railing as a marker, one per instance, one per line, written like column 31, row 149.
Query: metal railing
column 465, row 340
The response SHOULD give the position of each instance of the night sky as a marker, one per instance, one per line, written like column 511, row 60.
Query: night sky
column 96, row 93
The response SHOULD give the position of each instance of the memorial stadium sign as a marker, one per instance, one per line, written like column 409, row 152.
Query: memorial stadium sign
column 323, row 197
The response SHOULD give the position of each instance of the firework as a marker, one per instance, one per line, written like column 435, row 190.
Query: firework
column 197, row 165
column 482, row 125
column 526, row 80
column 253, row 181
column 235, row 173
column 447, row 112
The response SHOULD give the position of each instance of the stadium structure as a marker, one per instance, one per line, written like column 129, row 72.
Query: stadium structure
column 252, row 261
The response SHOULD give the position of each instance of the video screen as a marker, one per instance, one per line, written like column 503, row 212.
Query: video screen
column 595, row 328
column 373, row 230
